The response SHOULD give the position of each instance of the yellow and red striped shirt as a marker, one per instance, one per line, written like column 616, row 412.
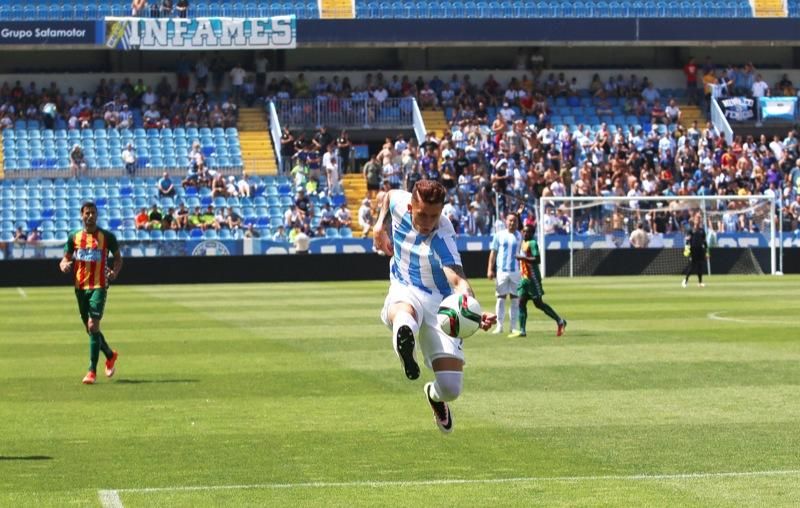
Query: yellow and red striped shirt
column 90, row 256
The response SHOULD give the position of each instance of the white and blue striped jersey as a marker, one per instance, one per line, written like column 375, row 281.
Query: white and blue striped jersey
column 506, row 245
column 418, row 259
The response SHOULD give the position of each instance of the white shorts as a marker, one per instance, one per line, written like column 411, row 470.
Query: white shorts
column 431, row 340
column 506, row 283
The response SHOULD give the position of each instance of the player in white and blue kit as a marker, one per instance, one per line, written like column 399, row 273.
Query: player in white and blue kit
column 504, row 269
column 425, row 267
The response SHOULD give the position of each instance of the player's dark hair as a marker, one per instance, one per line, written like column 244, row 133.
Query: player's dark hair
column 430, row 192
column 88, row 204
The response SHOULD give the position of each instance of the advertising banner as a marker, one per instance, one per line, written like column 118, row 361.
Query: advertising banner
column 738, row 109
column 51, row 33
column 778, row 108
column 277, row 32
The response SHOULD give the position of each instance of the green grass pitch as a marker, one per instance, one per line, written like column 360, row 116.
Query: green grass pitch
column 290, row 395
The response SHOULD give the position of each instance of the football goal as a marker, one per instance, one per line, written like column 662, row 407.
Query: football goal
column 586, row 235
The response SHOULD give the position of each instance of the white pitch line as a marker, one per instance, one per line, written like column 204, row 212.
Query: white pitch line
column 22, row 293
column 456, row 481
column 716, row 316
column 109, row 499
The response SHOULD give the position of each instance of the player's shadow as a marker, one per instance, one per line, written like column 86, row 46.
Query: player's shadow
column 154, row 381
column 25, row 457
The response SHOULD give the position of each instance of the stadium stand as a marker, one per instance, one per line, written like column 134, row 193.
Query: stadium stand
column 553, row 9
column 18, row 10
column 30, row 148
column 49, row 205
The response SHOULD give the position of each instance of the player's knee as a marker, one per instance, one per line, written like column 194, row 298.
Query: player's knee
column 538, row 303
column 93, row 325
column 449, row 384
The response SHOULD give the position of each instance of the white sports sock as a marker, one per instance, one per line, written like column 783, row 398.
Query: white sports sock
column 514, row 312
column 447, row 386
column 404, row 318
column 500, row 310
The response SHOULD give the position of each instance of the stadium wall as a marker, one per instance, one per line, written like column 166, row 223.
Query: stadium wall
column 342, row 267
column 546, row 31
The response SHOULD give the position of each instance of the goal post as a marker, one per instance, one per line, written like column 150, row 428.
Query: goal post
column 591, row 233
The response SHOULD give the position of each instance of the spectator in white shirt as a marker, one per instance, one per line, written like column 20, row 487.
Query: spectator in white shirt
column 672, row 112
column 331, row 169
column 507, row 113
column 380, row 94
column 237, row 80
column 365, row 218
column 760, row 87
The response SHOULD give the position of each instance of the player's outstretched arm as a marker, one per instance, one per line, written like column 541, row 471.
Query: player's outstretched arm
column 380, row 234
column 458, row 281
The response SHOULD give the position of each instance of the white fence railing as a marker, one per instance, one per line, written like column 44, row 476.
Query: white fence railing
column 345, row 113
column 720, row 122
column 419, row 124
column 275, row 130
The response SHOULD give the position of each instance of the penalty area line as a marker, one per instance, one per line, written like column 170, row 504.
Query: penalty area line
column 114, row 494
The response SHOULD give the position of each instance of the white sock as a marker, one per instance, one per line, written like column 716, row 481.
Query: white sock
column 500, row 310
column 403, row 318
column 447, row 386
column 514, row 312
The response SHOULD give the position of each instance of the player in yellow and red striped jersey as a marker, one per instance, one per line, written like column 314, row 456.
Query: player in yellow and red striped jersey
column 87, row 249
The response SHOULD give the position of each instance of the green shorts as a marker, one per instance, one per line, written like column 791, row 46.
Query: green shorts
column 91, row 303
column 530, row 288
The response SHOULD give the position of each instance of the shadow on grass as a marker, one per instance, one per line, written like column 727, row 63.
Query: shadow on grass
column 153, row 381
column 25, row 457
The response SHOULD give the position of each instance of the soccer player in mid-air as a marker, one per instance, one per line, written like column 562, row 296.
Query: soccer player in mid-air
column 88, row 250
column 425, row 267
column 698, row 251
column 504, row 268
column 530, row 286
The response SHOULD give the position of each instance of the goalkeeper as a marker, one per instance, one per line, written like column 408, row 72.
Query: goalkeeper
column 697, row 246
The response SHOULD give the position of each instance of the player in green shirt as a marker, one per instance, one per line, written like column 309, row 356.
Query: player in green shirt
column 530, row 285
column 88, row 249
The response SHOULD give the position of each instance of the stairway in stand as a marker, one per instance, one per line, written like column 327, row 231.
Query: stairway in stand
column 355, row 190
column 336, row 9
column 690, row 114
column 435, row 121
column 769, row 9
column 258, row 154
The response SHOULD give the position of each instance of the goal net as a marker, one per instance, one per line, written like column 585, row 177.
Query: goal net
column 646, row 234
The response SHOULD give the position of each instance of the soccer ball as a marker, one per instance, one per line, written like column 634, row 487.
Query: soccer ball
column 459, row 315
